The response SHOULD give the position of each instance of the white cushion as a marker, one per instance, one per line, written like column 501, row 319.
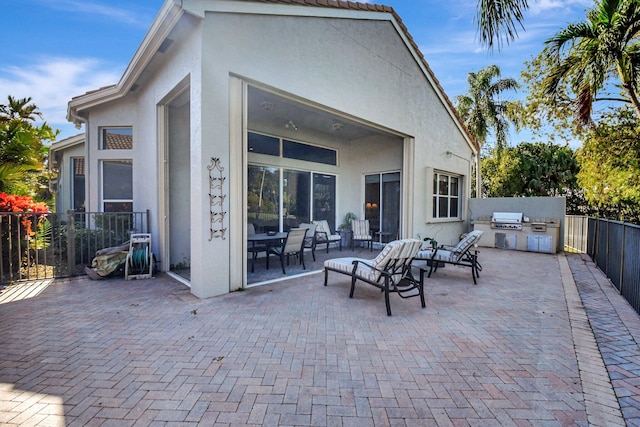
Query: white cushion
column 360, row 229
column 322, row 226
column 424, row 254
column 345, row 265
column 398, row 249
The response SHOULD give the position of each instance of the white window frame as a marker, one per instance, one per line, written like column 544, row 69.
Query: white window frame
column 101, row 130
column 436, row 197
column 103, row 181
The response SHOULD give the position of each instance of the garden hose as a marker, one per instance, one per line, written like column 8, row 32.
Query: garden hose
column 140, row 260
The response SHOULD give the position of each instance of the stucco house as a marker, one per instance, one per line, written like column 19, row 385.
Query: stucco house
column 273, row 112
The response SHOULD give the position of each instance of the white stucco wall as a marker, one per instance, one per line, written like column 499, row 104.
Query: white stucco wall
column 140, row 110
column 362, row 68
column 359, row 67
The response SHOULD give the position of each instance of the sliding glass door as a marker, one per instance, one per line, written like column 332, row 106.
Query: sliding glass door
column 279, row 199
column 324, row 198
column 382, row 205
column 295, row 204
column 263, row 197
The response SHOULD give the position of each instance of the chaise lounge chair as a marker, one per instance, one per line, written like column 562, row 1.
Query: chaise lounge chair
column 390, row 271
column 463, row 254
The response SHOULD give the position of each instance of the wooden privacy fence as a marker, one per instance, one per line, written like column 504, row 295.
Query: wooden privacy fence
column 52, row 245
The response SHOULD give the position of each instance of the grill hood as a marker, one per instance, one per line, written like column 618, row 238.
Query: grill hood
column 507, row 217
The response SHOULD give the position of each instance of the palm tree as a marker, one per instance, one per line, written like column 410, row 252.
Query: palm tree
column 22, row 151
column 483, row 111
column 14, row 178
column 586, row 54
column 498, row 20
column 18, row 109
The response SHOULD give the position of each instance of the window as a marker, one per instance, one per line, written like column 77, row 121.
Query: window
column 324, row 198
column 382, row 204
column 310, row 153
column 296, row 186
column 78, row 184
column 446, row 196
column 263, row 197
column 270, row 145
column 262, row 144
column 279, row 199
column 117, row 185
column 116, row 138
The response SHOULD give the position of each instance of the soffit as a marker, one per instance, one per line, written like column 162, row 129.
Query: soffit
column 268, row 109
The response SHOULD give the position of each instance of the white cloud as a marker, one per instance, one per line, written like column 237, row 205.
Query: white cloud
column 542, row 6
column 95, row 9
column 52, row 82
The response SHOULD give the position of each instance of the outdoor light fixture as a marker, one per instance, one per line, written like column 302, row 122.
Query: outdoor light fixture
column 337, row 126
column 291, row 125
column 266, row 105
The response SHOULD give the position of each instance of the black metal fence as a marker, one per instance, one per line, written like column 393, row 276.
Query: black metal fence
column 614, row 247
column 45, row 246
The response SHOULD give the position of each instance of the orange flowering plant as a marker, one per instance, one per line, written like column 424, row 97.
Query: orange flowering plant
column 13, row 203
column 22, row 204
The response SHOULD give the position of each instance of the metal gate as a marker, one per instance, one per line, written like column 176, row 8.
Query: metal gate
column 51, row 245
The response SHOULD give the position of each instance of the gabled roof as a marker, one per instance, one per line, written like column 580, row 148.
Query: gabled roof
column 67, row 142
column 171, row 12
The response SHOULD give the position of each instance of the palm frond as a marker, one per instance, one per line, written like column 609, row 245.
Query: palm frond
column 498, row 21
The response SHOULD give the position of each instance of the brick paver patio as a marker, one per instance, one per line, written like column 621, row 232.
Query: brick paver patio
column 517, row 349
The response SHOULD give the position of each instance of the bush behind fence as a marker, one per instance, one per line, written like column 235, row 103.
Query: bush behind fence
column 45, row 246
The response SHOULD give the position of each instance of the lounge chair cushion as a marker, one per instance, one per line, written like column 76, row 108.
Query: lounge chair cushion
column 395, row 249
column 451, row 255
column 389, row 271
column 360, row 229
column 322, row 228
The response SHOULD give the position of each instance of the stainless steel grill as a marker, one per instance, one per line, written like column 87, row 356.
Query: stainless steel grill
column 507, row 220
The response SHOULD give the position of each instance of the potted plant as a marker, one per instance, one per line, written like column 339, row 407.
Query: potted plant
column 431, row 241
column 345, row 228
column 434, row 244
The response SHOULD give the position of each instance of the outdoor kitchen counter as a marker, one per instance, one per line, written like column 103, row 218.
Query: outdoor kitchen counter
column 536, row 235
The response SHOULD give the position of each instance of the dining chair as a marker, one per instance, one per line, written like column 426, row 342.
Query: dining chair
column 293, row 244
column 254, row 248
column 310, row 238
column 324, row 234
column 361, row 233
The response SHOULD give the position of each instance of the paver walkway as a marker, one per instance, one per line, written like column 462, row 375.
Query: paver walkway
column 517, row 349
column 616, row 327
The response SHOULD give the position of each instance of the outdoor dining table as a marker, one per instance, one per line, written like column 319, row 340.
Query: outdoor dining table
column 266, row 239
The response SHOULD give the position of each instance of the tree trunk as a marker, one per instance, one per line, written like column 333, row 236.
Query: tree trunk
column 633, row 97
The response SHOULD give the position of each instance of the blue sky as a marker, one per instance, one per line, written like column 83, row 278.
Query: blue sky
column 53, row 50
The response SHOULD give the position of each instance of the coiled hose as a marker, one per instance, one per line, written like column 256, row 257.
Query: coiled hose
column 140, row 260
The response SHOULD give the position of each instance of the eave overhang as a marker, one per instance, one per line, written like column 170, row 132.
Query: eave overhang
column 173, row 10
